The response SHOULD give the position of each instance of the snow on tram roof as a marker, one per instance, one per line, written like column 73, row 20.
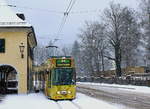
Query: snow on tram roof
column 8, row 18
column 60, row 57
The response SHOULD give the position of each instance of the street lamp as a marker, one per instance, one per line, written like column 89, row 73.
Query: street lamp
column 22, row 50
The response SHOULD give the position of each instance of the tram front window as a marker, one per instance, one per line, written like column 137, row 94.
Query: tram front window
column 63, row 76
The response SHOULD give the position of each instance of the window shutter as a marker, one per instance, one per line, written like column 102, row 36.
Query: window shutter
column 2, row 45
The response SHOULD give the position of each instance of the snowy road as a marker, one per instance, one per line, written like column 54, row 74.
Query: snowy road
column 137, row 97
column 108, row 97
column 39, row 101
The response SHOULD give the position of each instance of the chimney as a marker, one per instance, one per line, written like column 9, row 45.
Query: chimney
column 21, row 16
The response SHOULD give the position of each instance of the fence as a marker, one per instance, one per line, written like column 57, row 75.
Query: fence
column 139, row 81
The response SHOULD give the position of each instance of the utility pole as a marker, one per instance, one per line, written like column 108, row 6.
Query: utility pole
column 149, row 11
column 148, row 49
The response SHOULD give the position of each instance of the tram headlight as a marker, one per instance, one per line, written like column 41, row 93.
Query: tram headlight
column 58, row 92
column 69, row 92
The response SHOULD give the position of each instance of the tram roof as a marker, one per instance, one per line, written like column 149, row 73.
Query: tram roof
column 60, row 57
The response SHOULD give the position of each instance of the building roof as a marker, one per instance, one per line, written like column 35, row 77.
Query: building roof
column 8, row 18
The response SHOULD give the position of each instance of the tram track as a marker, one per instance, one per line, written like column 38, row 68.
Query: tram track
column 132, row 100
column 79, row 107
column 59, row 106
column 62, row 104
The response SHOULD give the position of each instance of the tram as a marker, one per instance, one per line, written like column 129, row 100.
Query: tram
column 60, row 78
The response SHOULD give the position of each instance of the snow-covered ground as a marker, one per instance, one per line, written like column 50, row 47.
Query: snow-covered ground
column 39, row 101
column 132, row 88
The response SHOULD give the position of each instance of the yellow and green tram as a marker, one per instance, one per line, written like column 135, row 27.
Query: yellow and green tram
column 60, row 79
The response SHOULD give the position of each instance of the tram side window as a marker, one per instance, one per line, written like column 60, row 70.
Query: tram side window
column 49, row 79
column 2, row 45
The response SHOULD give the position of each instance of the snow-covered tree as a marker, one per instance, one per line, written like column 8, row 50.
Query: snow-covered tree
column 131, row 37
column 66, row 51
column 122, row 32
column 76, row 53
column 93, row 47
column 40, row 54
column 145, row 24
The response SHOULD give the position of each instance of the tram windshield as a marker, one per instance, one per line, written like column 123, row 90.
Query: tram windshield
column 63, row 76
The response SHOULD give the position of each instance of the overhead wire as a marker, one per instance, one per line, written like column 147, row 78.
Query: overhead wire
column 65, row 13
column 64, row 19
column 55, row 11
column 86, row 11
column 37, row 9
column 69, row 5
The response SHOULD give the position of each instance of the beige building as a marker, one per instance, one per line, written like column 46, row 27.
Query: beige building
column 17, row 41
column 132, row 70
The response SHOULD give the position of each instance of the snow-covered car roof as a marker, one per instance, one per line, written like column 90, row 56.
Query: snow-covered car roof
column 8, row 18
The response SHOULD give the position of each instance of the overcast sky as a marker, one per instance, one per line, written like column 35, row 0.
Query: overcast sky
column 46, row 23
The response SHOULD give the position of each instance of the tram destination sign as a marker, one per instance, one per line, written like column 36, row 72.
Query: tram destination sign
column 63, row 63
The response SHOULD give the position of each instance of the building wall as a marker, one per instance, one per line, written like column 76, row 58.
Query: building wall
column 126, row 71
column 133, row 70
column 12, row 55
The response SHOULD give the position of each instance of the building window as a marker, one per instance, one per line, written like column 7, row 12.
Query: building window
column 2, row 45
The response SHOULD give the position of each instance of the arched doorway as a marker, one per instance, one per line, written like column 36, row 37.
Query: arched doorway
column 8, row 80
